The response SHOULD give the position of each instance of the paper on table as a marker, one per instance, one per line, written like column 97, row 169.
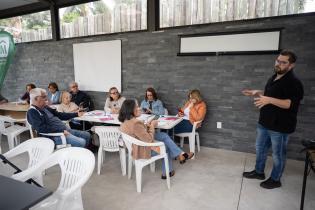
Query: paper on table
column 94, row 113
column 170, row 118
column 162, row 123
column 106, row 118
column 144, row 117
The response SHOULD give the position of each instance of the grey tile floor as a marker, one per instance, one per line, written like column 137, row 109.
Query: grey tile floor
column 212, row 181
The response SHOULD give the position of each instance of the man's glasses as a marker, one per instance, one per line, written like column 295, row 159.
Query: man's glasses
column 281, row 62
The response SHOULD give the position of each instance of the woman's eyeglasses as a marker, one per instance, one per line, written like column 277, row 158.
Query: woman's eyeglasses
column 114, row 93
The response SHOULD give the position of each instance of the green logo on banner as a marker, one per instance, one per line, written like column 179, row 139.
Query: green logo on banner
column 7, row 50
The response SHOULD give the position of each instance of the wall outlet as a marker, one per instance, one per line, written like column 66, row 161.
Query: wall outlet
column 219, row 125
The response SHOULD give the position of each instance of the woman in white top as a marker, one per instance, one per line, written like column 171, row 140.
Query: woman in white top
column 66, row 104
column 113, row 101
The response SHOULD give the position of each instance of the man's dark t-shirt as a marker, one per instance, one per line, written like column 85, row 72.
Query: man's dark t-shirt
column 276, row 118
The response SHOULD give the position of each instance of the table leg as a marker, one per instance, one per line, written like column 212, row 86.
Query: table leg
column 304, row 180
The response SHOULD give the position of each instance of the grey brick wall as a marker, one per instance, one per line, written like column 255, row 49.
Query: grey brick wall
column 150, row 59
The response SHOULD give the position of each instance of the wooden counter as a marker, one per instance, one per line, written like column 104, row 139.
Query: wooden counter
column 14, row 110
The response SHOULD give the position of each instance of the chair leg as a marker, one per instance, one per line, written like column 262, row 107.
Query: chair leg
column 39, row 179
column 152, row 167
column 122, row 155
column 129, row 166
column 17, row 140
column 192, row 145
column 198, row 141
column 99, row 160
column 103, row 157
column 181, row 140
column 167, row 172
column 10, row 142
column 138, row 177
column 0, row 142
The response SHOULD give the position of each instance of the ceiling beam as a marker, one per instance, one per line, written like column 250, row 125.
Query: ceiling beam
column 22, row 10
column 42, row 5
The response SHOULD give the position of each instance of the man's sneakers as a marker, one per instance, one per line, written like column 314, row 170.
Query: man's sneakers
column 267, row 184
column 254, row 175
column 270, row 184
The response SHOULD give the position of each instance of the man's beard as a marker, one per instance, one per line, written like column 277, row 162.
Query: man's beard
column 280, row 71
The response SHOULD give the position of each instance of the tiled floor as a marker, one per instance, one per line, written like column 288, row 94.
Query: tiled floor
column 212, row 181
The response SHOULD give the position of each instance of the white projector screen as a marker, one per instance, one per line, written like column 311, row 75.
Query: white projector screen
column 230, row 43
column 97, row 65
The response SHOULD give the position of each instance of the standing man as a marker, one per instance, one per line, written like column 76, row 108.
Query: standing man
column 278, row 110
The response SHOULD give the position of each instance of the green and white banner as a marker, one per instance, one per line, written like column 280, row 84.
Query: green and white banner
column 7, row 50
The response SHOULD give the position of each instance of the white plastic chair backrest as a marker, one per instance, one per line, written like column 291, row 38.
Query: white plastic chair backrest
column 108, row 136
column 129, row 140
column 165, row 111
column 76, row 164
column 195, row 126
column 128, row 144
column 29, row 126
column 3, row 120
column 37, row 148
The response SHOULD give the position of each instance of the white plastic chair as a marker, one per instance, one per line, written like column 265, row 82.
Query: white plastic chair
column 37, row 148
column 140, row 163
column 11, row 130
column 193, row 138
column 165, row 111
column 76, row 166
column 108, row 136
column 61, row 135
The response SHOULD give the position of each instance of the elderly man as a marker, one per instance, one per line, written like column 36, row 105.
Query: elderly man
column 79, row 97
column 47, row 120
column 278, row 106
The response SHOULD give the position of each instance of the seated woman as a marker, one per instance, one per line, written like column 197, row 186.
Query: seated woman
column 53, row 93
column 26, row 96
column 66, row 104
column 194, row 110
column 132, row 126
column 151, row 104
column 70, row 107
column 113, row 101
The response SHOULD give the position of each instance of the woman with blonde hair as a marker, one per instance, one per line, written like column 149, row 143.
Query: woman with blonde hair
column 194, row 110
column 66, row 104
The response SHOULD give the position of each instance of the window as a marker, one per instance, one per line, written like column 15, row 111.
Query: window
column 189, row 12
column 103, row 17
column 27, row 28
